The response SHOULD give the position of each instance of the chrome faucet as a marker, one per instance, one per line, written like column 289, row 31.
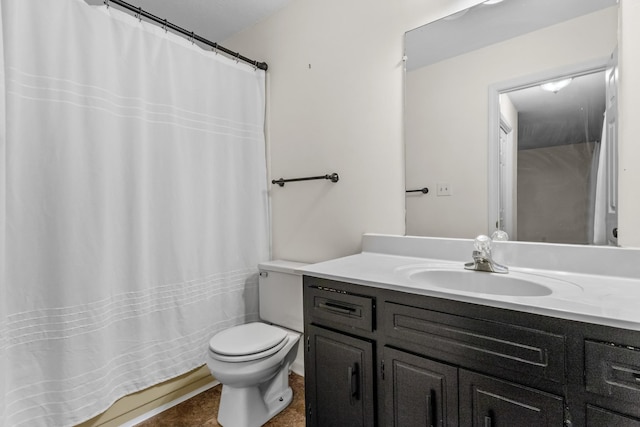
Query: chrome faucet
column 482, row 260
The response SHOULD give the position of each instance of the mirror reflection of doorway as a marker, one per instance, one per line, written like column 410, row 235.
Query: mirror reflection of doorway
column 507, row 217
column 556, row 138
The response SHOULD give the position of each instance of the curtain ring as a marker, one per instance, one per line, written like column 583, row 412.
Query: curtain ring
column 215, row 48
column 139, row 15
column 164, row 26
column 106, row 2
column 237, row 57
column 191, row 38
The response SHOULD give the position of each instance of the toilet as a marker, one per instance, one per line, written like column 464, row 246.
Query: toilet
column 252, row 361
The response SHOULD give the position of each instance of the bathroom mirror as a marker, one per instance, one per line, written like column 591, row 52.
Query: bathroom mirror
column 475, row 78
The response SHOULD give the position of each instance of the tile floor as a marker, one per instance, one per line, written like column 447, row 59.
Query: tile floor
column 202, row 410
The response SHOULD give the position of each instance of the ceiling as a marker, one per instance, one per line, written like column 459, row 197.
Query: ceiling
column 215, row 20
column 572, row 115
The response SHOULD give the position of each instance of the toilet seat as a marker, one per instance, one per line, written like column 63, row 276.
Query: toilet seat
column 247, row 342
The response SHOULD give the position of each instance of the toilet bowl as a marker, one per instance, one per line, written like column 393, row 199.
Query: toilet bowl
column 252, row 361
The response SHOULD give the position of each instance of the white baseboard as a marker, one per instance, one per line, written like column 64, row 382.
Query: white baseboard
column 297, row 367
column 168, row 405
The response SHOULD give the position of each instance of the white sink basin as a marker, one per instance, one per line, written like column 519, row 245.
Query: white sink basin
column 510, row 284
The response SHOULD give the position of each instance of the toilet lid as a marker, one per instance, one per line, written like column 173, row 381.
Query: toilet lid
column 250, row 338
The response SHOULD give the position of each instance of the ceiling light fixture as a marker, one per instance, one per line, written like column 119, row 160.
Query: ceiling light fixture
column 556, row 86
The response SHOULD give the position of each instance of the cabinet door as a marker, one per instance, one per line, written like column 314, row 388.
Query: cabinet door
column 489, row 402
column 339, row 383
column 598, row 417
column 419, row 391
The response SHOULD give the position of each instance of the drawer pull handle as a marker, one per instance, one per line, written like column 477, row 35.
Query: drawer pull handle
column 352, row 373
column 337, row 308
column 488, row 422
column 625, row 374
column 431, row 415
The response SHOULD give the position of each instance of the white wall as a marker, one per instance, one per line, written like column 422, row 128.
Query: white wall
column 553, row 183
column 344, row 114
column 447, row 117
column 629, row 125
column 335, row 104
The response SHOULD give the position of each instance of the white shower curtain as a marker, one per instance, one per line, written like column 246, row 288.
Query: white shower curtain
column 134, row 206
column 599, row 176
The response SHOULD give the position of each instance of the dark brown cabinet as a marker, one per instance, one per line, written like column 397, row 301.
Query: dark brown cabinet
column 377, row 356
column 422, row 392
column 418, row 391
column 340, row 378
column 613, row 371
column 489, row 402
column 598, row 417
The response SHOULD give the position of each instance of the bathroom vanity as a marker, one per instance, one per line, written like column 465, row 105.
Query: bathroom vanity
column 387, row 345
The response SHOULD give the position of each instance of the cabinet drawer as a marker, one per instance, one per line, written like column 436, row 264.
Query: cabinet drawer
column 487, row 345
column 354, row 311
column 613, row 371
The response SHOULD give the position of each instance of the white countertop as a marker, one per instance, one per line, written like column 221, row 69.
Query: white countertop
column 598, row 285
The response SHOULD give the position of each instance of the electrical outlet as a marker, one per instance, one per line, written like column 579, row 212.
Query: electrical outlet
column 443, row 189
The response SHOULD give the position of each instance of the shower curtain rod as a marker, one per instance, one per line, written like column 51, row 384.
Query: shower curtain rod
column 165, row 24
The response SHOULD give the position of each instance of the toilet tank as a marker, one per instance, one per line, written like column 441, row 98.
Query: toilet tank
column 280, row 293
